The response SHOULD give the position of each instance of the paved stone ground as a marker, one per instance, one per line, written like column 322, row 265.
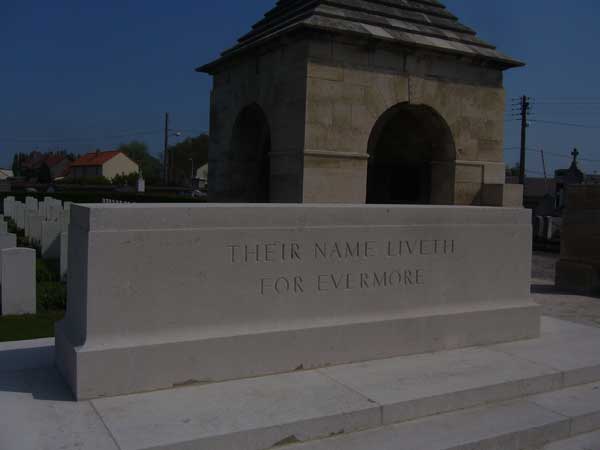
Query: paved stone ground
column 574, row 308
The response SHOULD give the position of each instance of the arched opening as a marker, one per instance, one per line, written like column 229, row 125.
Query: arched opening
column 411, row 154
column 249, row 157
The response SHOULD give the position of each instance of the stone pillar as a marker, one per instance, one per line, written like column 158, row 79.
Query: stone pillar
column 579, row 267
column 17, row 268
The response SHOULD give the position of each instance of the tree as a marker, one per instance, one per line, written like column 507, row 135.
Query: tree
column 194, row 149
column 149, row 165
column 44, row 174
column 513, row 171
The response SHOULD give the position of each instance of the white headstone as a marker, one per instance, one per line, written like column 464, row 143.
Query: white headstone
column 20, row 215
column 43, row 209
column 8, row 240
column 31, row 204
column 64, row 255
column 50, row 240
column 3, row 227
column 17, row 267
column 65, row 217
column 35, row 228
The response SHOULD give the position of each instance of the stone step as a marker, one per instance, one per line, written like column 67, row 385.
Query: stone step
column 589, row 441
column 525, row 386
column 260, row 413
column 525, row 424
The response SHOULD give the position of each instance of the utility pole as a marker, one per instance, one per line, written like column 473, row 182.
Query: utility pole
column 524, row 112
column 166, row 152
column 544, row 163
column 544, row 166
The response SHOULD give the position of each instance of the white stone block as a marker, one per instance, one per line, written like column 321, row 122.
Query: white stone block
column 35, row 228
column 8, row 240
column 31, row 204
column 50, row 240
column 259, row 289
column 3, row 227
column 65, row 218
column 18, row 281
column 43, row 209
column 20, row 215
column 64, row 255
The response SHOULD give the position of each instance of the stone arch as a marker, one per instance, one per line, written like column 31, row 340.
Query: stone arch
column 248, row 161
column 411, row 157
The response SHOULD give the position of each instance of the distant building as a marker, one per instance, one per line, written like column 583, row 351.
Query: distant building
column 5, row 174
column 202, row 176
column 58, row 165
column 103, row 164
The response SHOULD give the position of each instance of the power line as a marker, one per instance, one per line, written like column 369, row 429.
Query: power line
column 557, row 155
column 75, row 140
column 564, row 124
column 81, row 140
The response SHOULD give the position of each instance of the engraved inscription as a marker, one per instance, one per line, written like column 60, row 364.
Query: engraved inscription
column 403, row 256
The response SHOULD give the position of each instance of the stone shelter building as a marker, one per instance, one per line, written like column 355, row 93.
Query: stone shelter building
column 354, row 101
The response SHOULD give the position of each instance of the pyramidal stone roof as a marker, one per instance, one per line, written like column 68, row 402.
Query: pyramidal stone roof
column 414, row 23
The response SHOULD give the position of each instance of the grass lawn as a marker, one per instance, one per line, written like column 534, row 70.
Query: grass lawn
column 19, row 328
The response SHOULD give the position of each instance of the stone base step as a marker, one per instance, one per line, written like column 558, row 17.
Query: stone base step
column 525, row 424
column 528, row 392
column 589, row 441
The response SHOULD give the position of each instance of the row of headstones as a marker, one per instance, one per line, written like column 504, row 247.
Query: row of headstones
column 111, row 201
column 546, row 228
column 45, row 224
column 17, row 275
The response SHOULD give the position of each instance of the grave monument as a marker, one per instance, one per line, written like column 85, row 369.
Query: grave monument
column 366, row 101
column 579, row 267
column 243, row 313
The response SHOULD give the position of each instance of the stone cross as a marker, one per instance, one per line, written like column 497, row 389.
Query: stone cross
column 575, row 154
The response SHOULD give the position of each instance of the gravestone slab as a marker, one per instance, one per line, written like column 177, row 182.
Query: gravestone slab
column 8, row 240
column 20, row 215
column 3, row 227
column 35, row 228
column 218, row 292
column 64, row 255
column 31, row 204
column 50, row 240
column 65, row 218
column 18, row 281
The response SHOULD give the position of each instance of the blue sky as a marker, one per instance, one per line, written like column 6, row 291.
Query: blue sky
column 86, row 74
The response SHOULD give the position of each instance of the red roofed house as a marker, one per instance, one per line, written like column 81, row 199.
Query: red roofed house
column 103, row 164
column 58, row 164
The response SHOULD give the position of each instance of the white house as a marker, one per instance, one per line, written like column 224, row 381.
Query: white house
column 103, row 164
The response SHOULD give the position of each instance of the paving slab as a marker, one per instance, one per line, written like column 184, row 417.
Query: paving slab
column 422, row 385
column 512, row 426
column 253, row 414
column 590, row 441
column 582, row 403
column 20, row 355
column 570, row 348
column 37, row 412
